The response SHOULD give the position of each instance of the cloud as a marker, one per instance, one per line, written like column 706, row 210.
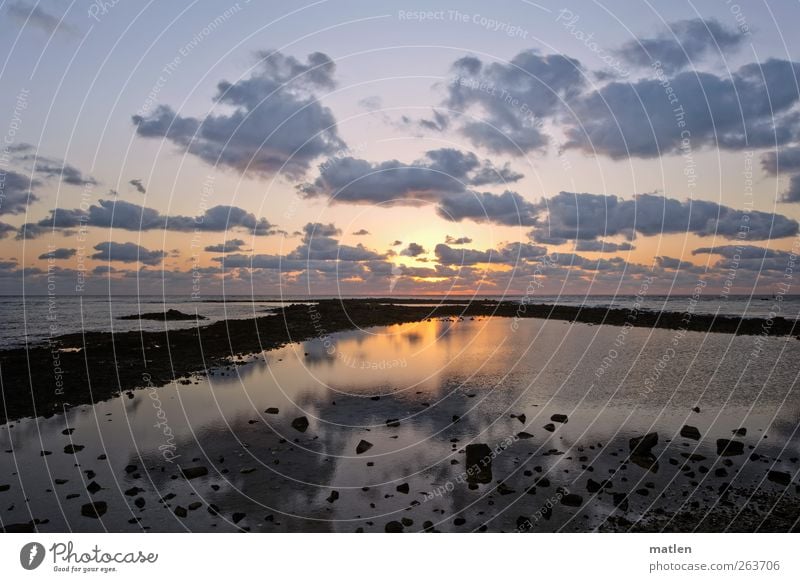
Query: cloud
column 361, row 232
column 229, row 246
column 25, row 153
column 569, row 216
column 683, row 45
column 440, row 122
column 602, row 246
column 464, row 240
column 397, row 243
column 123, row 215
column 508, row 208
column 741, row 252
column 785, row 161
column 511, row 253
column 276, row 123
column 371, row 103
column 127, row 253
column 58, row 254
column 6, row 229
column 514, row 98
column 137, row 183
column 413, row 250
column 750, row 108
column 36, row 16
column 15, row 192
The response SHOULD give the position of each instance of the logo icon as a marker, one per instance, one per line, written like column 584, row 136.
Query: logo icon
column 31, row 555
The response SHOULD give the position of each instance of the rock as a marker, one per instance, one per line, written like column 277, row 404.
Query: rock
column 524, row 524
column 363, row 446
column 779, row 477
column 522, row 418
column 550, row 427
column 237, row 517
column 403, row 488
column 332, row 497
column 130, row 469
column 168, row 315
column 67, row 431
column 690, row 432
column 94, row 510
column 621, row 501
column 721, row 472
column 93, row 487
column 300, row 424
column 524, row 435
column 194, row 472
column 133, row 491
column 739, row 432
column 593, row 486
column 407, row 522
column 271, row 410
column 479, row 463
column 72, row 449
column 4, row 488
column 393, row 422
column 45, row 453
column 562, row 418
column 459, row 521
column 393, row 527
column 696, row 409
column 572, row 500
column 139, row 502
column 246, row 470
column 729, row 448
column 643, row 445
column 181, row 511
column 195, row 505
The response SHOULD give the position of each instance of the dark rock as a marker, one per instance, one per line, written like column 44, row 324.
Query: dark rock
column 729, row 448
column 459, row 521
column 237, row 517
column 779, row 477
column 696, row 409
column 572, row 500
column 593, row 486
column 45, row 453
column 479, row 463
column 393, row 527
column 524, row 524
column 393, row 422
column 403, row 488
column 72, row 449
column 271, row 410
column 93, row 487
column 168, row 315
column 739, row 432
column 130, row 469
column 562, row 418
column 67, row 431
column 363, row 446
column 195, row 505
column 550, row 427
column 194, row 472
column 133, row 491
column 407, row 522
column 4, row 488
column 621, row 501
column 332, row 497
column 139, row 502
column 300, row 424
column 522, row 418
column 94, row 510
column 721, row 472
column 181, row 511
column 690, row 432
column 643, row 445
column 524, row 435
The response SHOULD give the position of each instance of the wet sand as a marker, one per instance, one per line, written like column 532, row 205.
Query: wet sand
column 454, row 424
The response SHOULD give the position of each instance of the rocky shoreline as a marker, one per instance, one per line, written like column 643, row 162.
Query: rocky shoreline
column 79, row 368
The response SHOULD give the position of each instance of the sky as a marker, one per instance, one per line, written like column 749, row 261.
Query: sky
column 398, row 148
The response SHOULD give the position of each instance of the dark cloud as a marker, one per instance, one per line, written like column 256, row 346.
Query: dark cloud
column 749, row 108
column 602, row 246
column 741, row 252
column 508, row 208
column 120, row 214
column 6, row 229
column 568, row 216
column 229, row 246
column 277, row 123
column 683, row 45
column 397, row 243
column 361, row 232
column 127, row 253
column 25, row 153
column 512, row 253
column 58, row 254
column 514, row 98
column 413, row 250
column 15, row 192
column 34, row 15
column 440, row 122
column 463, row 240
column 781, row 162
column 137, row 183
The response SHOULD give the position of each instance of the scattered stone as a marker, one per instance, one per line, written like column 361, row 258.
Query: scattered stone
column 524, row 435
column 729, row 448
column 593, row 486
column 407, row 522
column 479, row 463
column 739, row 432
column 550, row 427
column 93, row 487
column 393, row 422
column 779, row 477
column 690, row 432
column 562, row 418
column 459, row 521
column 332, row 497
column 181, row 511
column 394, row 527
column 403, row 488
column 139, row 502
column 246, row 470
column 363, row 446
column 522, row 418
column 4, row 488
column 643, row 445
column 721, row 472
column 238, row 516
column 133, row 491
column 696, row 409
column 194, row 472
column 45, row 453
column 271, row 410
column 300, row 424
column 130, row 469
column 67, row 431
column 621, row 501
column 94, row 510
column 72, row 449
column 572, row 500
column 195, row 505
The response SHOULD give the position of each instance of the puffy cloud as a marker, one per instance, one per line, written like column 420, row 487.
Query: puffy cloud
column 229, row 246
column 36, row 16
column 512, row 253
column 569, row 216
column 785, row 161
column 514, row 97
column 508, row 208
column 752, row 107
column 15, row 192
column 463, row 240
column 127, row 253
column 361, row 232
column 741, row 252
column 137, row 183
column 57, row 254
column 413, row 250
column 277, row 123
column 602, row 246
column 128, row 216
column 25, row 153
column 686, row 42
column 6, row 229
